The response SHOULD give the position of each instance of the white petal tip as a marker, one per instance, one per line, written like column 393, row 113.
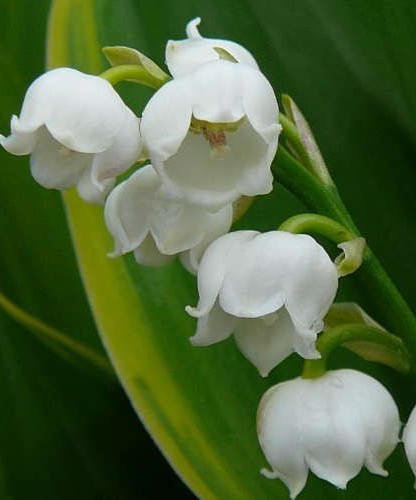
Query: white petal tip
column 341, row 486
column 192, row 31
column 263, row 373
column 190, row 310
column 315, row 354
column 114, row 254
column 194, row 341
column 294, row 491
column 194, row 312
column 270, row 474
column 377, row 469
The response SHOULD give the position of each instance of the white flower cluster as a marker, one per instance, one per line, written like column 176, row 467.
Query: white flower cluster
column 211, row 134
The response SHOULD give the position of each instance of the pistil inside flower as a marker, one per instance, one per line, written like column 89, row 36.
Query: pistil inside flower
column 214, row 133
column 217, row 141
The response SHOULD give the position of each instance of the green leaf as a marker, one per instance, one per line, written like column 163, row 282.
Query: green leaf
column 358, row 93
column 126, row 55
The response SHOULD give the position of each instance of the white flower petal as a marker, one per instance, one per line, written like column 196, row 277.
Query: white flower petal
column 304, row 344
column 124, row 151
column 216, row 91
column 82, row 112
column 219, row 223
column 276, row 269
column 18, row 143
column 224, row 92
column 127, row 209
column 382, row 433
column 53, row 166
column 256, row 280
column 88, row 191
column 334, row 440
column 214, row 327
column 260, row 105
column 265, row 343
column 175, row 227
column 147, row 254
column 313, row 286
column 279, row 428
column 185, row 56
column 409, row 440
column 166, row 120
column 213, row 267
column 199, row 177
column 254, row 156
column 178, row 226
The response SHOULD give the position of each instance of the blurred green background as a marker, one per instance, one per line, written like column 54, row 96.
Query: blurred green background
column 68, row 432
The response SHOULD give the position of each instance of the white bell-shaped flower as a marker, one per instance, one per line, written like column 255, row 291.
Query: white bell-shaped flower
column 332, row 425
column 272, row 289
column 185, row 56
column 142, row 220
column 78, row 132
column 213, row 134
column 409, row 440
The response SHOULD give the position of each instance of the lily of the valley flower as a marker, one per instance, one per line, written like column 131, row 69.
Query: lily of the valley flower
column 333, row 425
column 213, row 134
column 409, row 440
column 272, row 290
column 142, row 220
column 78, row 132
column 185, row 56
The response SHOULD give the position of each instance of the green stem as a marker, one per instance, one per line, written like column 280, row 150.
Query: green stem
column 325, row 200
column 132, row 72
column 399, row 358
column 319, row 225
column 309, row 189
column 353, row 247
column 55, row 337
